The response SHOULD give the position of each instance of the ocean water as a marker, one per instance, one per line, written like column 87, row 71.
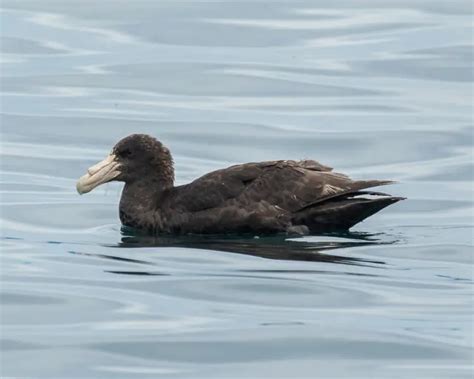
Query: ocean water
column 376, row 89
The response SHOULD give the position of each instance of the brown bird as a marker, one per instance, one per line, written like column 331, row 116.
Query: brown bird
column 292, row 197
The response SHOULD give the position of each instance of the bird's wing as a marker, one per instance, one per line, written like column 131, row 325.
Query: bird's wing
column 215, row 188
column 289, row 185
column 293, row 185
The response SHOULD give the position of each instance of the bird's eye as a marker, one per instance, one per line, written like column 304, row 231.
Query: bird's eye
column 126, row 153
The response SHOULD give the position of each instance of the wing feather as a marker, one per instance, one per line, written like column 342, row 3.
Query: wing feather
column 289, row 185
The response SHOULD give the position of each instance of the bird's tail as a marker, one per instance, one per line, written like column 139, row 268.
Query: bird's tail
column 341, row 213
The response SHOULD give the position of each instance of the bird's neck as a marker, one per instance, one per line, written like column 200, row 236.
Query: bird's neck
column 140, row 202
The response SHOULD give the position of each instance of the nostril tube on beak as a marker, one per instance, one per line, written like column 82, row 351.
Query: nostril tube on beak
column 100, row 173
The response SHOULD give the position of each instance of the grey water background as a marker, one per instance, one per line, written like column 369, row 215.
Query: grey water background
column 376, row 89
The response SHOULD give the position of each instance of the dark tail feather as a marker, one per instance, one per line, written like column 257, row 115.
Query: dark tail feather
column 354, row 188
column 341, row 213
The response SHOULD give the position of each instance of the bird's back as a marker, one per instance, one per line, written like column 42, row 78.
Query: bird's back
column 264, row 197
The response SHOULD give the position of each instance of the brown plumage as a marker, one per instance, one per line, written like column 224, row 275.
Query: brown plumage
column 293, row 197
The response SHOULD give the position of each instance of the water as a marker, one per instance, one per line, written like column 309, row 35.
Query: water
column 376, row 89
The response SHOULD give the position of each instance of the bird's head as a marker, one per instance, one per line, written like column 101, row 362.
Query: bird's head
column 136, row 157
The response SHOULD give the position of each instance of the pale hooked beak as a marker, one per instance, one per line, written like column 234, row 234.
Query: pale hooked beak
column 98, row 174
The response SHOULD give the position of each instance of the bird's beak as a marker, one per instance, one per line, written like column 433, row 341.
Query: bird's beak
column 100, row 173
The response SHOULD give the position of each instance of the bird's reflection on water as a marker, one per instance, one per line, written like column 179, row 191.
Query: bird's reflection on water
column 271, row 247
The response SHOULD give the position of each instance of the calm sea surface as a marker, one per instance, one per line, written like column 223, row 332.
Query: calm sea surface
column 377, row 89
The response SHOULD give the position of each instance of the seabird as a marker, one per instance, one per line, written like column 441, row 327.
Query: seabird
column 284, row 196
